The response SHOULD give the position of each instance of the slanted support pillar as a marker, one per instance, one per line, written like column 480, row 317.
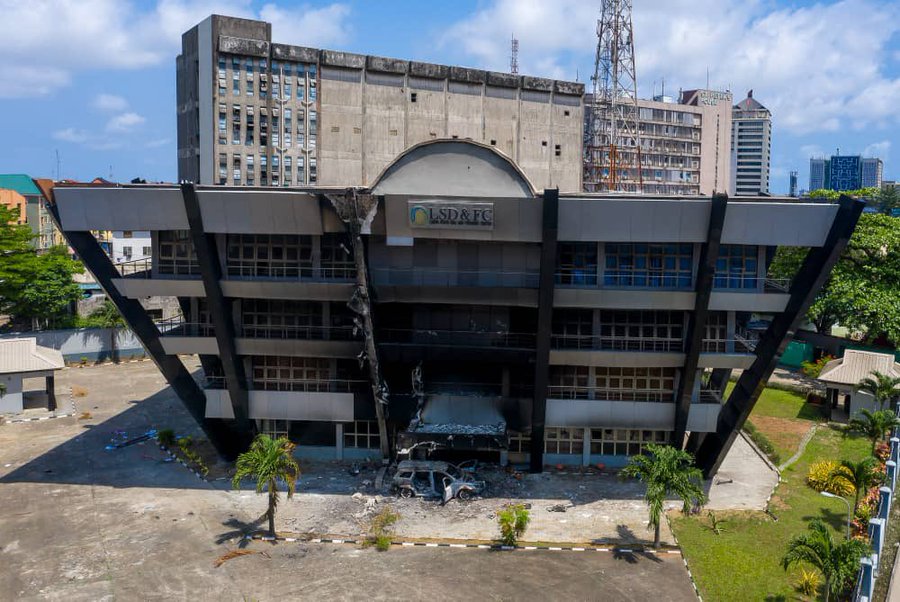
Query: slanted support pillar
column 809, row 280
column 706, row 271
column 219, row 309
column 544, row 325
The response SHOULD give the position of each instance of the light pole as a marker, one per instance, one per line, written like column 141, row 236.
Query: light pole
column 849, row 510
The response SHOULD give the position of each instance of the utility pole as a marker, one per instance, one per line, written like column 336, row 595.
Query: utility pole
column 612, row 145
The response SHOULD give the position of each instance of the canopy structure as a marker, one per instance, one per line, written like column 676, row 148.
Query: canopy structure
column 23, row 358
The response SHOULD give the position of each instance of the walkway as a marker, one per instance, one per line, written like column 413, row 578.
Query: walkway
column 744, row 482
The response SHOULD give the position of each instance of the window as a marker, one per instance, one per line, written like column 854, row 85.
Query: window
column 274, row 428
column 222, row 122
column 176, row 253
column 235, row 134
column 624, row 442
column 146, row 251
column 274, row 373
column 277, row 319
column 287, row 91
column 634, row 384
column 127, row 234
column 577, row 263
column 648, row 265
column 236, row 85
column 519, row 442
column 275, row 256
column 573, row 328
column 362, row 434
column 126, row 251
column 249, row 65
column 249, row 87
column 557, row 151
column 564, row 440
column 569, row 382
column 736, row 267
column 413, row 97
column 634, row 330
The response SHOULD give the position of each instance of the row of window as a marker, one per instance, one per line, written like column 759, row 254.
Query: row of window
column 282, row 78
column 651, row 384
column 357, row 434
column 275, row 171
column 600, row 441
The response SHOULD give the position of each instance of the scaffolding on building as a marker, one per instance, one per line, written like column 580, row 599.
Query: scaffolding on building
column 612, row 141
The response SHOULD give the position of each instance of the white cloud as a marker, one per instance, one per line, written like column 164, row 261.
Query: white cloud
column 109, row 102
column 124, row 122
column 877, row 149
column 157, row 143
column 305, row 26
column 813, row 75
column 811, row 150
column 48, row 41
column 71, row 135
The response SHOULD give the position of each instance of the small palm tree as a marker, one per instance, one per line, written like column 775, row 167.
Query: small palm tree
column 838, row 561
column 883, row 387
column 858, row 475
column 268, row 461
column 666, row 471
column 874, row 425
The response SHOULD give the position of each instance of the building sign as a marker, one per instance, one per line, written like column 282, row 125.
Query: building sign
column 713, row 97
column 459, row 215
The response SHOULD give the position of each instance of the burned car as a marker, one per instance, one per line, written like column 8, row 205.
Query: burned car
column 431, row 479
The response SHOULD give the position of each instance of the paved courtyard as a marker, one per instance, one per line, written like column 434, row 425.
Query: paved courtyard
column 83, row 523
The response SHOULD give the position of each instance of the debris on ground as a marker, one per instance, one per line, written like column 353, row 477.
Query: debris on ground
column 235, row 554
column 558, row 508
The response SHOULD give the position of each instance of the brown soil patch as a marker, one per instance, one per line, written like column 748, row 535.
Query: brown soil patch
column 784, row 433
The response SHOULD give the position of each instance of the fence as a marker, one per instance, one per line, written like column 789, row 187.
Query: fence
column 86, row 344
column 870, row 568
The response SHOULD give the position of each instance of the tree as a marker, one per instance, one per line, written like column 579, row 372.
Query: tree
column 858, row 475
column 874, row 424
column 268, row 461
column 838, row 561
column 863, row 290
column 107, row 316
column 888, row 198
column 883, row 387
column 666, row 471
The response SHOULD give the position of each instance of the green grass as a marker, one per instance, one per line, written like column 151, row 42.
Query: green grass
column 780, row 403
column 743, row 562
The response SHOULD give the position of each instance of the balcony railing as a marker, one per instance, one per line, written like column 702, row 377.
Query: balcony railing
column 449, row 277
column 737, row 282
column 178, row 267
column 709, row 396
column 606, row 343
column 735, row 345
column 462, row 338
column 599, row 394
column 340, row 270
column 136, row 268
column 311, row 386
column 655, row 279
column 313, row 333
column 177, row 327
column 215, row 383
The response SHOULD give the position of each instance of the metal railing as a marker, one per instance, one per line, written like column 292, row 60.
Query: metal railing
column 315, row 333
column 607, row 343
column 177, row 327
column 178, row 267
column 738, row 282
column 600, row 394
column 135, row 268
column 463, row 338
column 735, row 345
column 311, row 386
column 338, row 270
column 214, row 383
column 709, row 396
column 571, row 275
column 451, row 277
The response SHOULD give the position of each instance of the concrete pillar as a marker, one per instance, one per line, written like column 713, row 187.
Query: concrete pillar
column 730, row 329
column 504, row 457
column 339, row 440
column 867, row 583
column 877, row 533
column 50, row 387
column 891, row 469
column 895, row 449
column 884, row 506
column 586, row 449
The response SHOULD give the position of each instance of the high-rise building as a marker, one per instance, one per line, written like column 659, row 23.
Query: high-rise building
column 871, row 173
column 523, row 325
column 255, row 112
column 684, row 145
column 793, row 185
column 819, row 173
column 751, row 147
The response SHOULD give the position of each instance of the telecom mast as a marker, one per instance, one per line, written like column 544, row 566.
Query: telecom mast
column 514, row 55
column 612, row 143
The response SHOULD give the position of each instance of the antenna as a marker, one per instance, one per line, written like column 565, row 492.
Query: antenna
column 514, row 55
column 612, row 145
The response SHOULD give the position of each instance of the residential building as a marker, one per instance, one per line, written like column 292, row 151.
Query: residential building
column 520, row 325
column 751, row 147
column 128, row 245
column 13, row 200
column 871, row 173
column 255, row 112
column 845, row 172
column 684, row 146
column 36, row 216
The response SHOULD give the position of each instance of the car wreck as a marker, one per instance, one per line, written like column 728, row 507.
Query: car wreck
column 436, row 480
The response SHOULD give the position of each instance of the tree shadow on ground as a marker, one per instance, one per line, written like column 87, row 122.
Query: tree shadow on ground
column 239, row 529
column 836, row 519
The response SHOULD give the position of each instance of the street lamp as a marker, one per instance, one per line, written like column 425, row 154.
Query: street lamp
column 849, row 510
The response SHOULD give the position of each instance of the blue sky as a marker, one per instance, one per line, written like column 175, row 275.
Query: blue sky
column 95, row 79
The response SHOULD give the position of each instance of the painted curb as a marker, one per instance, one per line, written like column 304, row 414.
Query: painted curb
column 683, row 558
column 197, row 474
column 479, row 546
column 73, row 411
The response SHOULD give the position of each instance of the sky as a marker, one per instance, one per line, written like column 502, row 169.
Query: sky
column 94, row 80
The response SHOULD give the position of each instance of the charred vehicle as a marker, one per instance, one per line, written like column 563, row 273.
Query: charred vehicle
column 431, row 479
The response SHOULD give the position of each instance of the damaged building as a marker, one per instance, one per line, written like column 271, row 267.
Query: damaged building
column 450, row 305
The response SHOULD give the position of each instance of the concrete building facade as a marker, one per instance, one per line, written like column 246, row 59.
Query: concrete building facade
column 685, row 148
column 751, row 147
column 255, row 112
column 871, row 173
column 45, row 233
column 845, row 172
column 518, row 325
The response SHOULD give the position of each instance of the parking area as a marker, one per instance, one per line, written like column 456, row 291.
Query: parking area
column 80, row 522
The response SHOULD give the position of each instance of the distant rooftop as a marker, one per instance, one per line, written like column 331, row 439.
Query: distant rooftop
column 19, row 182
column 25, row 355
column 750, row 104
column 857, row 365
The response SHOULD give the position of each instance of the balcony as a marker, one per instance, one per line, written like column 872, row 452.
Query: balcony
column 600, row 394
column 456, row 338
column 136, row 268
column 586, row 277
column 178, row 267
column 751, row 284
column 299, row 270
column 441, row 277
column 307, row 333
column 608, row 343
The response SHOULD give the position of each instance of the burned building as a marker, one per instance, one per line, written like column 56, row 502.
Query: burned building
column 451, row 304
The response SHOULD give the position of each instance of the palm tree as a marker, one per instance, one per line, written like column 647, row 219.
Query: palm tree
column 666, row 471
column 838, row 561
column 883, row 387
column 874, row 424
column 859, row 475
column 268, row 461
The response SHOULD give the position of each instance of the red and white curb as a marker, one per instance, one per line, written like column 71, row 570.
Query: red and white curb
column 197, row 473
column 684, row 560
column 479, row 546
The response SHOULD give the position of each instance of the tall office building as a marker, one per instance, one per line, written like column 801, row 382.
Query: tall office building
column 684, row 145
column 871, row 173
column 751, row 147
column 793, row 185
column 259, row 113
column 819, row 173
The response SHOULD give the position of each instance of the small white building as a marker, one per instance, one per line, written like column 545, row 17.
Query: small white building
column 21, row 359
column 130, row 245
column 841, row 377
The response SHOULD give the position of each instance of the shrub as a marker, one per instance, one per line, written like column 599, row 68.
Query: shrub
column 809, row 582
column 762, row 442
column 166, row 438
column 513, row 520
column 882, row 451
column 813, row 369
column 715, row 523
column 380, row 529
column 821, row 477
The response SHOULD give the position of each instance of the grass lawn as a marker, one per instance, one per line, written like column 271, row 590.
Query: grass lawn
column 743, row 562
column 783, row 417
